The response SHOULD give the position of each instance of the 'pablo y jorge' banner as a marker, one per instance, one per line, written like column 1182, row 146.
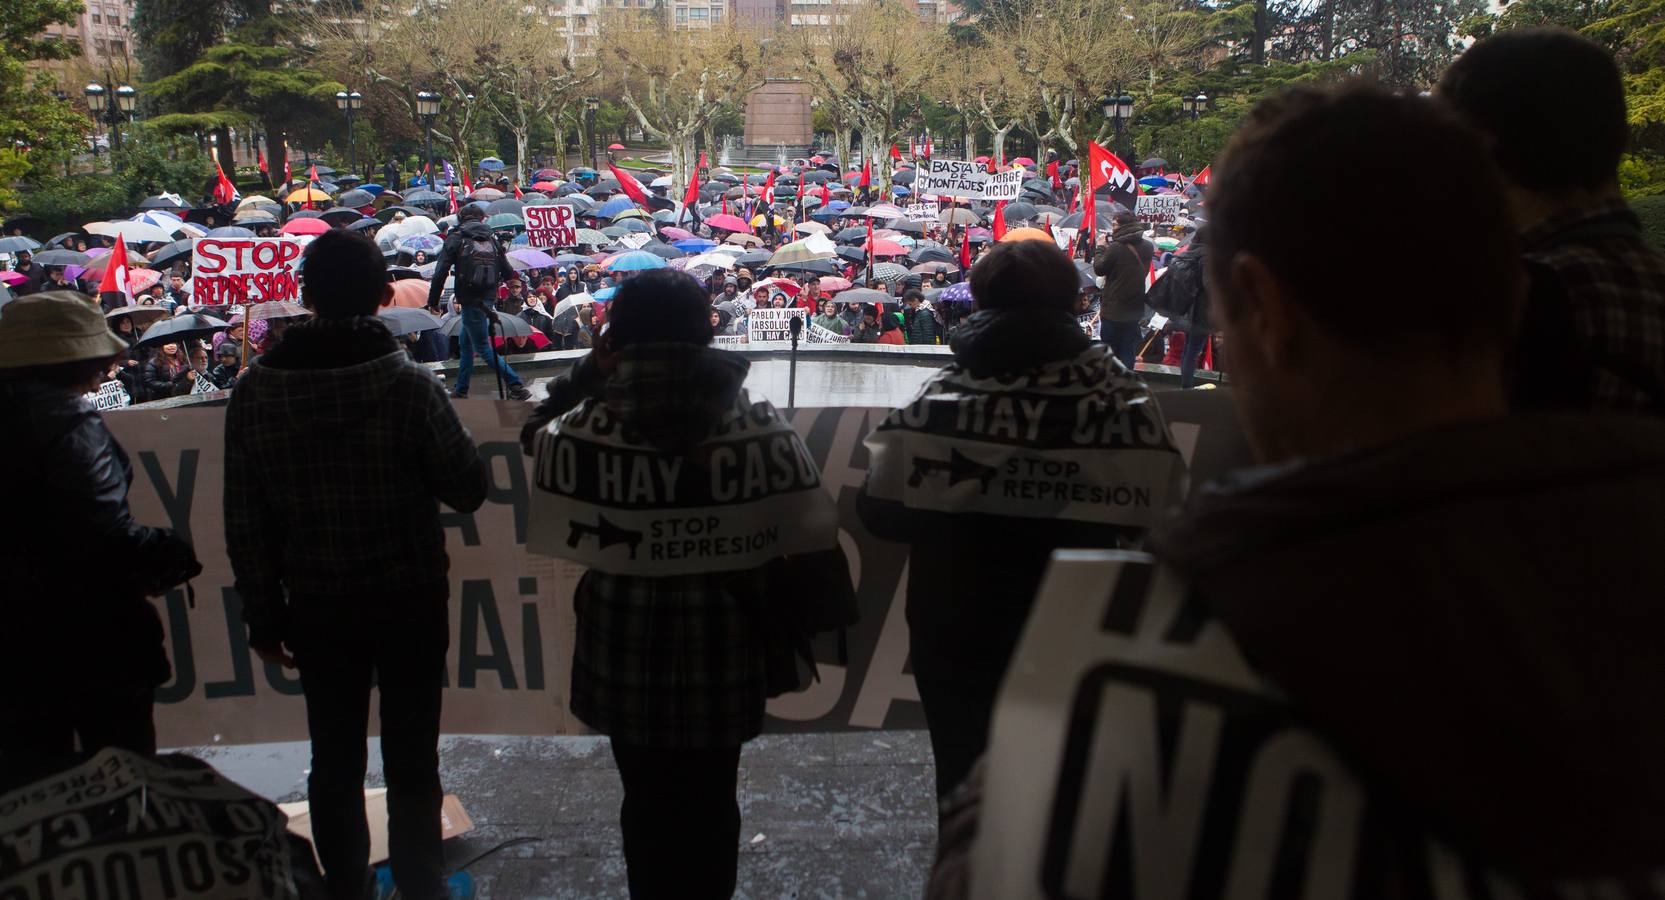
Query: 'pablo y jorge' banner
column 244, row 270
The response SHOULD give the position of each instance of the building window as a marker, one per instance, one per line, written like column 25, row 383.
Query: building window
column 716, row 13
column 700, row 14
column 118, row 48
column 682, row 15
column 100, row 46
column 97, row 16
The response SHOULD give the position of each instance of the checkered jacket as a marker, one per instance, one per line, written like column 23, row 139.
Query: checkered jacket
column 1612, row 285
column 338, row 451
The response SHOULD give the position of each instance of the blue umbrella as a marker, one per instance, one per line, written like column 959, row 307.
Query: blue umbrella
column 606, row 293
column 1154, row 181
column 230, row 231
column 899, row 190
column 427, row 243
column 694, row 245
column 838, row 204
column 375, row 190
column 956, row 293
column 492, row 164
column 636, row 261
column 615, row 206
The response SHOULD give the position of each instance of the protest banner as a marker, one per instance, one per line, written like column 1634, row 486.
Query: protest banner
column 244, row 270
column 729, row 341
column 921, row 212
column 769, row 324
column 951, row 178
column 551, row 226
column 119, row 824
column 511, row 618
column 1159, row 209
column 606, row 498
column 201, row 385
column 1004, row 185
column 819, row 335
column 1130, row 719
column 110, row 395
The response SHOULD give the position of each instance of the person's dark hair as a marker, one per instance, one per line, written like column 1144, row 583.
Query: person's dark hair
column 470, row 213
column 912, row 294
column 343, row 275
column 1513, row 85
column 1325, row 188
column 659, row 306
column 1124, row 218
column 1024, row 273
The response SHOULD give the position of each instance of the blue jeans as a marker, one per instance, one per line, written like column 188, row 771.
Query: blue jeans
column 1194, row 344
column 474, row 333
column 1123, row 338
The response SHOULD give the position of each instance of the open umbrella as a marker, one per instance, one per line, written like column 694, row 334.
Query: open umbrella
column 254, row 217
column 230, row 231
column 862, row 295
column 728, row 222
column 505, row 220
column 528, row 258
column 425, row 198
column 811, row 248
column 305, row 194
column 420, row 243
column 958, row 215
column 931, row 268
column 356, row 198
column 62, row 258
column 889, row 272
column 405, row 320
column 342, row 215
column 744, row 239
column 492, row 164
column 487, row 194
column 634, row 261
column 712, row 260
column 590, row 236
column 277, row 309
column 18, row 243
column 142, row 316
column 131, row 232
column 879, row 247
column 507, row 326
column 164, row 201
column 305, row 226
column 179, row 328
column 411, row 293
column 956, row 293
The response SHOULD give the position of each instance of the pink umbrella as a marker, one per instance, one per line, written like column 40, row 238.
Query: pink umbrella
column 1023, row 161
column 728, row 222
column 677, row 234
column 305, row 226
column 11, row 277
column 140, row 280
column 831, row 284
column 879, row 247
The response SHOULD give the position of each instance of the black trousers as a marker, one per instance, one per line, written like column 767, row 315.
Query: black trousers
column 342, row 646
column 37, row 729
column 681, row 821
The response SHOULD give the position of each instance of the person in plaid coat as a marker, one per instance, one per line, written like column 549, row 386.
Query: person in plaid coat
column 671, row 669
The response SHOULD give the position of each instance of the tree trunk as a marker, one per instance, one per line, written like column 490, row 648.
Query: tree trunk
column 520, row 155
column 227, row 152
column 999, row 141
column 708, row 139
column 275, row 157
column 681, row 148
column 970, row 139
column 1257, row 49
column 841, row 142
column 586, row 153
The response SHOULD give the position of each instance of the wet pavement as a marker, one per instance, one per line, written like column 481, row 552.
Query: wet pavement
column 835, row 815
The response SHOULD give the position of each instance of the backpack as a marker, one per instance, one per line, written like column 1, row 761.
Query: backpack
column 477, row 266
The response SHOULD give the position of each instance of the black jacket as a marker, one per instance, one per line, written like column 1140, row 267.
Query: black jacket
column 447, row 262
column 921, row 326
column 78, row 567
column 1470, row 616
column 35, row 272
column 1182, row 292
column 159, row 385
column 1125, row 264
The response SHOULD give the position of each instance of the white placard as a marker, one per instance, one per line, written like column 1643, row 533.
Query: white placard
column 110, row 395
column 1159, row 209
column 952, row 178
column 770, row 324
column 1005, row 185
column 551, row 226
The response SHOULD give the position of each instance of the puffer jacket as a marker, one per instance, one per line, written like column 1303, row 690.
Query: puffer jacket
column 1182, row 292
column 77, row 564
column 921, row 326
column 1125, row 264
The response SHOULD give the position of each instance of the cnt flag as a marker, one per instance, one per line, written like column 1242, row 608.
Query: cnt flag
column 1105, row 168
column 630, row 185
column 1203, row 176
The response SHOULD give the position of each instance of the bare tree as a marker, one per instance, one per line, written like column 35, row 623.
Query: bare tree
column 531, row 77
column 677, row 82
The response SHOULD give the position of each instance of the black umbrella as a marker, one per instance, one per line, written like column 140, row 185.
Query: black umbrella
column 1085, row 270
column 66, row 236
column 22, row 223
column 980, row 239
column 307, row 214
column 402, row 273
column 506, row 206
column 179, row 328
column 752, row 258
column 421, row 198
column 851, row 234
column 1038, row 185
column 406, row 320
column 362, row 224
column 854, row 254
column 907, row 225
column 753, row 179
column 933, row 255
column 167, row 255
column 856, row 211
column 905, row 176
column 356, row 199
column 506, row 326
column 817, row 266
column 342, row 215
column 62, row 258
column 322, row 169
column 663, row 250
column 862, row 295
column 1018, row 211
column 347, row 179
column 388, row 213
column 161, row 202
column 821, row 176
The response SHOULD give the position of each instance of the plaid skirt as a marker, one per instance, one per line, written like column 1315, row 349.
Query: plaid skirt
column 670, row 662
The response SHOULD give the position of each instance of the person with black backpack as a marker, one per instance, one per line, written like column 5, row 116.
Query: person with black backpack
column 1181, row 294
column 474, row 256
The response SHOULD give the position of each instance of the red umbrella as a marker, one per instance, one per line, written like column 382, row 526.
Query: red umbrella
column 615, row 146
column 784, row 285
column 879, row 247
column 728, row 222
column 544, row 186
column 305, row 226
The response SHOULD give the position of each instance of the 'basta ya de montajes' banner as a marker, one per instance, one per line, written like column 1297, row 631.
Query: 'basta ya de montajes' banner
column 606, row 497
column 244, row 270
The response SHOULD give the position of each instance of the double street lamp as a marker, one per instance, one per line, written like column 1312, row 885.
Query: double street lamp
column 427, row 108
column 1117, row 106
column 1195, row 104
column 111, row 107
column 349, row 104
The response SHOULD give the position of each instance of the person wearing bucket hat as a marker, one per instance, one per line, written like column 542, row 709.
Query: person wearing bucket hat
column 83, row 638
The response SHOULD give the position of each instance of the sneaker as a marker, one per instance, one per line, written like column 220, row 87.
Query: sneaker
column 519, row 392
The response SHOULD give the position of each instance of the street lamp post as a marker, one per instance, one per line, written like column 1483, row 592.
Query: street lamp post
column 591, row 104
column 1195, row 105
column 111, row 107
column 349, row 104
column 427, row 107
column 1117, row 106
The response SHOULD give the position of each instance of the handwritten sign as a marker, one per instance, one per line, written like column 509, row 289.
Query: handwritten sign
column 551, row 226
column 952, row 178
column 1159, row 209
column 921, row 212
column 1004, row 185
column 819, row 335
column 244, row 270
column 768, row 324
column 110, row 395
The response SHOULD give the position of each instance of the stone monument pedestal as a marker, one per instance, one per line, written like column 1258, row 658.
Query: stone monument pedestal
column 778, row 116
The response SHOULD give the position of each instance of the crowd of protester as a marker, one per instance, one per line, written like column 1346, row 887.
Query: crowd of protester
column 1443, row 558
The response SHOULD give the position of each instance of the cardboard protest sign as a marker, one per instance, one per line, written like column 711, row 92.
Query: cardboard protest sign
column 1071, row 442
column 770, row 324
column 604, row 497
column 244, row 270
column 1159, row 209
column 1129, row 719
column 511, row 616
column 819, row 335
column 124, row 825
column 110, row 395
column 1004, row 185
column 551, row 226
column 951, row 178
